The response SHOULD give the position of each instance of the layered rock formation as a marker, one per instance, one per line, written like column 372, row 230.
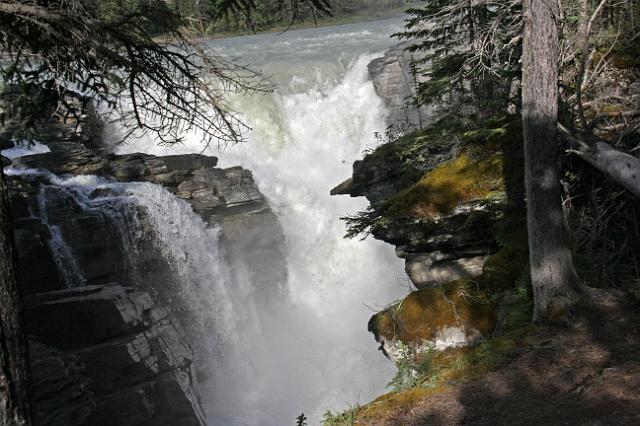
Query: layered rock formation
column 439, row 246
column 451, row 204
column 444, row 247
column 105, row 355
column 106, row 341
column 394, row 81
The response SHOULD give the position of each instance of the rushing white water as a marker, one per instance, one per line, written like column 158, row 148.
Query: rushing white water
column 310, row 351
column 62, row 253
column 23, row 147
column 191, row 249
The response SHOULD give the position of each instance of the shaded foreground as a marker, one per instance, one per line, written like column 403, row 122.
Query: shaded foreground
column 588, row 374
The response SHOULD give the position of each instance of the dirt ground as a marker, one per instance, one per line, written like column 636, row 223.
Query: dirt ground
column 588, row 374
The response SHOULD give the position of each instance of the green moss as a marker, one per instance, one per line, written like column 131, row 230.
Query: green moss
column 491, row 163
column 439, row 370
column 345, row 418
column 422, row 314
column 450, row 184
column 498, row 303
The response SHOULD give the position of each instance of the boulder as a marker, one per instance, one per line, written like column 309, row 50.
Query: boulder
column 456, row 314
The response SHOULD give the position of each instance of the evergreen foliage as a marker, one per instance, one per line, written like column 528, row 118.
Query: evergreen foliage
column 61, row 54
column 469, row 52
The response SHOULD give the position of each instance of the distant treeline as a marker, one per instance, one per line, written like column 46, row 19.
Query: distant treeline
column 202, row 17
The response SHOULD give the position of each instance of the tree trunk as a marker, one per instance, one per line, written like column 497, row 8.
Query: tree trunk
column 553, row 277
column 620, row 167
column 14, row 361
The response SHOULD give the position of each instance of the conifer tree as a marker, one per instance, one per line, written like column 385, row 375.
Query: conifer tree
column 469, row 52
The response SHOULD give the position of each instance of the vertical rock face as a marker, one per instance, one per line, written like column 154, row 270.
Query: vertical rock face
column 105, row 353
column 131, row 366
column 394, row 82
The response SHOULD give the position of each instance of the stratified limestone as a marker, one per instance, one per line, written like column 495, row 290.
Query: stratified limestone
column 102, row 353
column 105, row 355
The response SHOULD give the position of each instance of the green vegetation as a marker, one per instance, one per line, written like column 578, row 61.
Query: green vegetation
column 220, row 17
column 425, row 312
column 495, row 307
column 467, row 62
column 370, row 11
column 480, row 171
column 627, row 55
column 436, row 371
column 426, row 372
column 346, row 418
column 458, row 181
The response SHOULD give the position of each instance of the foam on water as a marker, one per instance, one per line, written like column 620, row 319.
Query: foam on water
column 310, row 351
column 23, row 148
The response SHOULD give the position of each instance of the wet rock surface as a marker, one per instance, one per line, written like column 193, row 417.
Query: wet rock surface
column 105, row 353
column 192, row 177
column 95, row 348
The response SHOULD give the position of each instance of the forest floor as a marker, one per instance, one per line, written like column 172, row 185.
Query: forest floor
column 586, row 374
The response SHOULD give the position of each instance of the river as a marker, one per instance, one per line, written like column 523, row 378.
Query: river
column 305, row 135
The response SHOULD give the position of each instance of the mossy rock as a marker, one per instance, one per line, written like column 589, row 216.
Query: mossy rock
column 424, row 314
column 458, row 181
column 490, row 164
column 445, row 368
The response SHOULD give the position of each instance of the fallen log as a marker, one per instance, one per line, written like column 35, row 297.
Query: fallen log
column 620, row 167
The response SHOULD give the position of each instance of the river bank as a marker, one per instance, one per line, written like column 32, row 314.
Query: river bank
column 322, row 22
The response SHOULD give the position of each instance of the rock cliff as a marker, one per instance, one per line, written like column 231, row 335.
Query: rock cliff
column 106, row 354
column 394, row 81
column 109, row 341
column 449, row 197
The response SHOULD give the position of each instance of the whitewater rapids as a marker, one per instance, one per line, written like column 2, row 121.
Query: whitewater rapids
column 310, row 351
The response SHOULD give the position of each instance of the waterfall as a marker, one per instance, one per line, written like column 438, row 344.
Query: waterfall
column 145, row 214
column 61, row 252
column 266, row 355
column 309, row 351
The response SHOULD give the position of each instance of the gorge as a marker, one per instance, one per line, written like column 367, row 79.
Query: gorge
column 212, row 303
column 425, row 219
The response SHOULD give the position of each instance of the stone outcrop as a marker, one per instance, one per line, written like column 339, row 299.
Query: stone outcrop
column 442, row 249
column 455, row 315
column 437, row 248
column 441, row 199
column 394, row 82
column 192, row 177
column 453, row 247
column 131, row 366
column 105, row 353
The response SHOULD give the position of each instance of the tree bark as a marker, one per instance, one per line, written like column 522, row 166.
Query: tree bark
column 14, row 361
column 620, row 167
column 553, row 277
